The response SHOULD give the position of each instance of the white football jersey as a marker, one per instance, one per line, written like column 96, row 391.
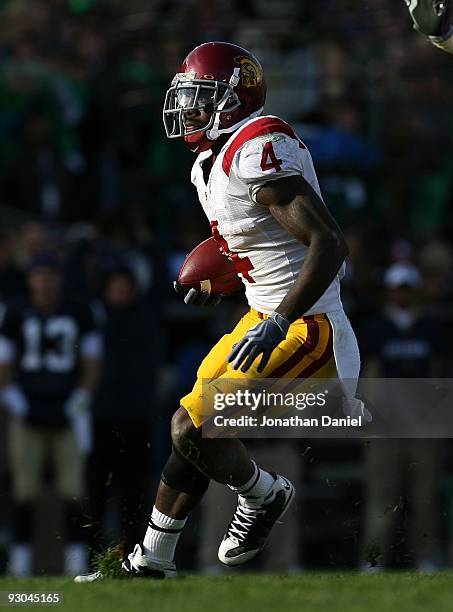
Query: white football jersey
column 266, row 256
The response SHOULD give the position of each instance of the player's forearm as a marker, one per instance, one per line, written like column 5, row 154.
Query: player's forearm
column 90, row 373
column 12, row 397
column 5, row 375
column 324, row 258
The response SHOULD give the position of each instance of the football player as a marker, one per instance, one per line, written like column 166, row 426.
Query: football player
column 256, row 182
column 434, row 19
column 50, row 356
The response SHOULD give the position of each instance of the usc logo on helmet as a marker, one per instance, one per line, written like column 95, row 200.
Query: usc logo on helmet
column 251, row 73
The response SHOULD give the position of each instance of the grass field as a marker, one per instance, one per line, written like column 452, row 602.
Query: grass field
column 327, row 592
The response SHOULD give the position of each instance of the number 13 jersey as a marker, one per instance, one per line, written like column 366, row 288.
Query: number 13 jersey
column 45, row 351
column 266, row 256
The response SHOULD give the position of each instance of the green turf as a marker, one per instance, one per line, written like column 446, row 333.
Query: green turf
column 328, row 592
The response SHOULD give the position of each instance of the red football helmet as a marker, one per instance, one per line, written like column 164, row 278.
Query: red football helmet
column 223, row 80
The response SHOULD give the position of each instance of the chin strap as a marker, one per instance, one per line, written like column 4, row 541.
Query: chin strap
column 214, row 132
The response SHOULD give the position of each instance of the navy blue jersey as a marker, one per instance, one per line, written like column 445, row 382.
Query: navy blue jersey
column 47, row 356
column 403, row 353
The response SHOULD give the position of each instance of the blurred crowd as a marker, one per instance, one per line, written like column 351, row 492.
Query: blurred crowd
column 91, row 191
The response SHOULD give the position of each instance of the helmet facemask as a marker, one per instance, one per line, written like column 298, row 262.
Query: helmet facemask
column 188, row 94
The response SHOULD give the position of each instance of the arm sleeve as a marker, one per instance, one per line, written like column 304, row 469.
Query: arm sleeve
column 268, row 158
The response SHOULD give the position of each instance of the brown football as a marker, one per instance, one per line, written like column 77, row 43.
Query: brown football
column 205, row 267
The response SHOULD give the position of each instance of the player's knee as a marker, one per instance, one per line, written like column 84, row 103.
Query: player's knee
column 183, row 432
column 181, row 475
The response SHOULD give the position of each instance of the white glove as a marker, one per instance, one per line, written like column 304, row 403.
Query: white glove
column 14, row 401
column 78, row 410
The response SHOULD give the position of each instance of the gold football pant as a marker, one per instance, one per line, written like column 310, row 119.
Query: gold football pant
column 306, row 352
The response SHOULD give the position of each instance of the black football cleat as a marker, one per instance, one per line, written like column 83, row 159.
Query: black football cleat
column 252, row 522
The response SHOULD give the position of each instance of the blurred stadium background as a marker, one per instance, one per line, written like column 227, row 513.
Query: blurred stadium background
column 86, row 172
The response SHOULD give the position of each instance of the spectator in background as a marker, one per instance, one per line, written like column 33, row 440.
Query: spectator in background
column 12, row 283
column 124, row 409
column 33, row 238
column 50, row 352
column 41, row 179
column 402, row 475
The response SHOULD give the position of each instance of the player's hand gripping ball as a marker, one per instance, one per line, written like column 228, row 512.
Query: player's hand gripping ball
column 207, row 275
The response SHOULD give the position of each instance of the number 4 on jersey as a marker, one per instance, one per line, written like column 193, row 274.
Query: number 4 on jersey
column 269, row 159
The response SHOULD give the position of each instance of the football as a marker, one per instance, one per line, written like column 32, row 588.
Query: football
column 206, row 268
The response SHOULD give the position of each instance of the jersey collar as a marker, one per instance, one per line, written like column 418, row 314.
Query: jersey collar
column 206, row 154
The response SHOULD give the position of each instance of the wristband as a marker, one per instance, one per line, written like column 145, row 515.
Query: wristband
column 78, row 402
column 279, row 320
column 14, row 400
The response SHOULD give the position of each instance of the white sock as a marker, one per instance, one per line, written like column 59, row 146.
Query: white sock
column 162, row 536
column 258, row 486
